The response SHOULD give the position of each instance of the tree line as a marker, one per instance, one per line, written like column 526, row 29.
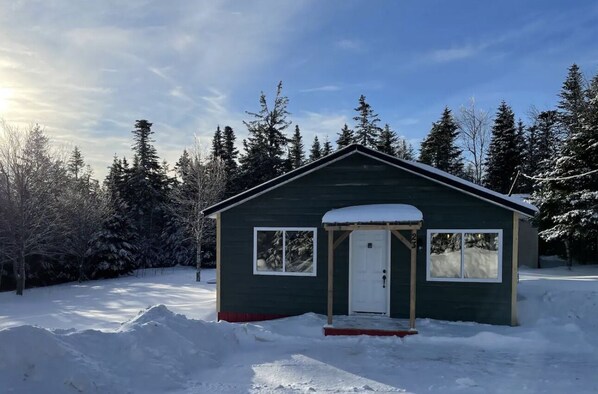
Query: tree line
column 58, row 223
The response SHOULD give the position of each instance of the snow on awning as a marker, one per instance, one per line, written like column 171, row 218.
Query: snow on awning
column 376, row 213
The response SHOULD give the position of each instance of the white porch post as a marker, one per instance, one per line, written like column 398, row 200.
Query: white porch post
column 330, row 274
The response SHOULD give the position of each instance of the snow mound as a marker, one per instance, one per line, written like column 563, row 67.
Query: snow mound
column 153, row 352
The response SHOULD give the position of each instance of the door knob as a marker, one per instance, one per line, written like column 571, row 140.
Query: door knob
column 384, row 281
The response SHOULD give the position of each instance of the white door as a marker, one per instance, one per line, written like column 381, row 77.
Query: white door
column 370, row 273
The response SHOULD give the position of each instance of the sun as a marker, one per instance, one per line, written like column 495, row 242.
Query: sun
column 5, row 95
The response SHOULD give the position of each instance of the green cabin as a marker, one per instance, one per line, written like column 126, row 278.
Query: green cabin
column 362, row 233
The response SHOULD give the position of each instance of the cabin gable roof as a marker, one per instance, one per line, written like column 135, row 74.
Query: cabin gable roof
column 508, row 202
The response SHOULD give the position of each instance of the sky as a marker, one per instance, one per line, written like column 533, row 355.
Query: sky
column 87, row 70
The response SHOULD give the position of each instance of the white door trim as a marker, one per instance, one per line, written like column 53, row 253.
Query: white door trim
column 388, row 271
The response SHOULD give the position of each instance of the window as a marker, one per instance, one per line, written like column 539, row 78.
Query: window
column 284, row 251
column 464, row 255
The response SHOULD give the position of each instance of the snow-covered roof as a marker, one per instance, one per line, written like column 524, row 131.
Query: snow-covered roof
column 375, row 213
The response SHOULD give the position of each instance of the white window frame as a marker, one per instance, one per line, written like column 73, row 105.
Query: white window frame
column 314, row 230
column 463, row 232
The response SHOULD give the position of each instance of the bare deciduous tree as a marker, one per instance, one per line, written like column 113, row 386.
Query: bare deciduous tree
column 28, row 195
column 203, row 183
column 474, row 135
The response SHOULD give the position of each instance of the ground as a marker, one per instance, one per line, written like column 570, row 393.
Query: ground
column 81, row 345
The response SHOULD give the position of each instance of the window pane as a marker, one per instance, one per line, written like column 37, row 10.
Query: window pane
column 480, row 256
column 445, row 255
column 299, row 250
column 269, row 251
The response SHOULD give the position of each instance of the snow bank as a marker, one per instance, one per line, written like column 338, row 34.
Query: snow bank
column 153, row 352
column 555, row 350
column 375, row 213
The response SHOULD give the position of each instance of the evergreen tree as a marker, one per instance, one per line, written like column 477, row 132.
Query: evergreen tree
column 264, row 147
column 296, row 153
column 504, row 153
column 439, row 148
column 345, row 137
column 405, row 151
column 541, row 146
column 567, row 195
column 146, row 196
column 112, row 250
column 572, row 103
column 229, row 159
column 229, row 151
column 366, row 128
column 217, row 144
column 327, row 147
column 75, row 163
column 316, row 151
column 387, row 141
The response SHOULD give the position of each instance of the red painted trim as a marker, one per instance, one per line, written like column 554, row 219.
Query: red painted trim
column 237, row 317
column 366, row 331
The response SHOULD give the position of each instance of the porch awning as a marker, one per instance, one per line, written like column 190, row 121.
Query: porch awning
column 391, row 217
column 375, row 213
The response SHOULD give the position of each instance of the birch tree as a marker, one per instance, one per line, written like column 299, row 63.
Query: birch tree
column 474, row 135
column 202, row 184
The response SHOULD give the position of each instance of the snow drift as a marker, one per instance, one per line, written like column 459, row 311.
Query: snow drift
column 554, row 350
column 152, row 352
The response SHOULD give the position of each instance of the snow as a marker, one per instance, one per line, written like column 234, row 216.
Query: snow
column 105, row 304
column 553, row 351
column 375, row 213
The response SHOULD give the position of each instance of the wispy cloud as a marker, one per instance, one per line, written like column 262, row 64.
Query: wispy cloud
column 324, row 88
column 452, row 54
column 350, row 44
column 88, row 73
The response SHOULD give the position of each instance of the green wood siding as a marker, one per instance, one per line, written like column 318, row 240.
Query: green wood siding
column 357, row 180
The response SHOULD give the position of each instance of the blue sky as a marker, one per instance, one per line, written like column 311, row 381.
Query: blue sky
column 88, row 70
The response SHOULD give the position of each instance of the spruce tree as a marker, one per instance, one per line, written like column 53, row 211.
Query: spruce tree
column 316, row 151
column 296, row 150
column 345, row 137
column 75, row 163
column 504, row 153
column 387, row 141
column 572, row 103
column 229, row 158
column 439, row 148
column 327, row 147
column 366, row 124
column 264, row 147
column 112, row 250
column 147, row 195
column 541, row 146
column 229, row 151
column 405, row 151
column 217, row 144
column 567, row 193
